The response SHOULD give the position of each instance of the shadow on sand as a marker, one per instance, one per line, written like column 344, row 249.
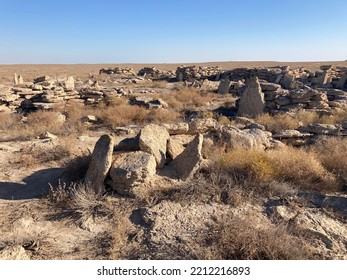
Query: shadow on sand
column 34, row 186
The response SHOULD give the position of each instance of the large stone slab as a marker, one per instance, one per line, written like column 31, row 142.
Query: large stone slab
column 100, row 163
column 254, row 138
column 131, row 169
column 153, row 140
column 252, row 101
column 189, row 161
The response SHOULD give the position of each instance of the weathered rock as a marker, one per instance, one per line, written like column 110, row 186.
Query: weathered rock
column 128, row 144
column 247, row 139
column 269, row 86
column 209, row 85
column 174, row 148
column 18, row 79
column 100, row 163
column 131, row 169
column 224, row 86
column 89, row 119
column 252, row 100
column 176, row 128
column 69, row 83
column 318, row 128
column 153, row 140
column 48, row 135
column 148, row 102
column 290, row 133
column 14, row 253
column 42, row 79
column 201, row 125
column 188, row 162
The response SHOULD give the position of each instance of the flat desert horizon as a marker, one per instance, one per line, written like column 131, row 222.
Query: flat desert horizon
column 82, row 71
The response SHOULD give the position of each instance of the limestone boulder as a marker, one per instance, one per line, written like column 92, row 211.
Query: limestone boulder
column 174, row 148
column 14, row 253
column 252, row 101
column 318, row 128
column 224, row 86
column 201, row 125
column 176, row 128
column 69, row 83
column 253, row 138
column 153, row 140
column 189, row 161
column 100, row 163
column 131, row 169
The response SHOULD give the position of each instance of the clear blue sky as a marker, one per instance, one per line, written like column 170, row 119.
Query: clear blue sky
column 129, row 31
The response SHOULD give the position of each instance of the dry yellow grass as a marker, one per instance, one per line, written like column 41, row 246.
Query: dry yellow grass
column 297, row 166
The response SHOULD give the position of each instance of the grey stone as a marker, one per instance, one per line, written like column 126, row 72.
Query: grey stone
column 153, row 140
column 189, row 161
column 176, row 128
column 174, row 148
column 201, row 125
column 318, row 128
column 224, row 86
column 252, row 100
column 100, row 163
column 247, row 138
column 131, row 169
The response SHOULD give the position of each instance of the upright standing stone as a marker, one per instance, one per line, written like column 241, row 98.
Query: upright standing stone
column 100, row 163
column 70, row 83
column 15, row 78
column 325, row 78
column 224, row 86
column 189, row 161
column 153, row 140
column 342, row 83
column 252, row 100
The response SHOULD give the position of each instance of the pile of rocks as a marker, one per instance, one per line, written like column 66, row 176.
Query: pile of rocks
column 118, row 71
column 331, row 77
column 156, row 74
column 171, row 149
column 45, row 93
column 190, row 73
column 93, row 94
column 259, row 97
column 282, row 100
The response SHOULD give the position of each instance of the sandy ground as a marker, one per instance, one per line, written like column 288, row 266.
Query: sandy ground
column 30, row 71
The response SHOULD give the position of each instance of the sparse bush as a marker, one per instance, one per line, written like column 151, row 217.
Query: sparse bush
column 278, row 122
column 243, row 238
column 332, row 153
column 250, row 165
column 302, row 168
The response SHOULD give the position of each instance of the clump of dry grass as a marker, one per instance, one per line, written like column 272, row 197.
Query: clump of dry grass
column 187, row 98
column 242, row 238
column 332, row 153
column 278, row 122
column 302, row 168
column 259, row 168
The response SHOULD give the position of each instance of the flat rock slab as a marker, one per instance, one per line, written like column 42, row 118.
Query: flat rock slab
column 100, row 163
column 131, row 169
column 290, row 133
column 153, row 140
